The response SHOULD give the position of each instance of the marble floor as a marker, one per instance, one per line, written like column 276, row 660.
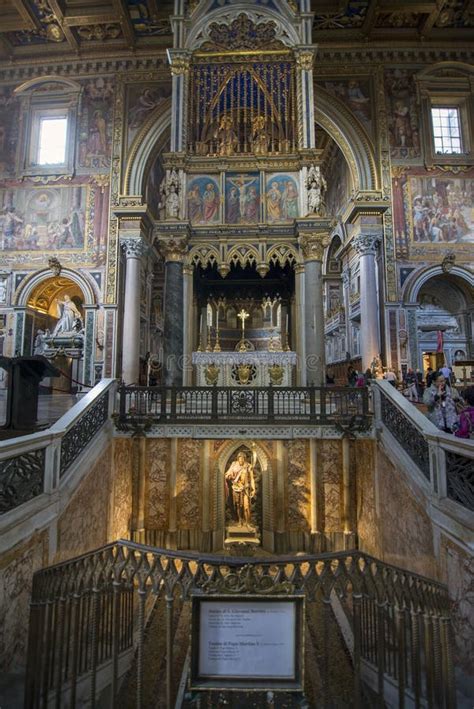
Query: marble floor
column 50, row 408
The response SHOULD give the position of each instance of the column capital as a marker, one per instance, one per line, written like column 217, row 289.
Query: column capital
column 304, row 58
column 366, row 244
column 313, row 246
column 133, row 246
column 179, row 61
column 174, row 249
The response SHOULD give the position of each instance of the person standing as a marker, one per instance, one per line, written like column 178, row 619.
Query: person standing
column 441, row 403
column 411, row 390
column 391, row 377
column 466, row 417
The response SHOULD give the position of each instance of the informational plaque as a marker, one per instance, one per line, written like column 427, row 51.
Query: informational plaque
column 247, row 642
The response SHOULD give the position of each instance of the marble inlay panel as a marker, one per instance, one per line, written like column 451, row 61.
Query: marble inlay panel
column 122, row 489
column 157, row 483
column 330, row 457
column 299, row 493
column 188, row 484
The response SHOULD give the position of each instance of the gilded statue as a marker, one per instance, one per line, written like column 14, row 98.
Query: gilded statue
column 240, row 481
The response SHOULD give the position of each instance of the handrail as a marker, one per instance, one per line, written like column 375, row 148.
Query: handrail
column 443, row 463
column 400, row 619
column 273, row 404
column 33, row 464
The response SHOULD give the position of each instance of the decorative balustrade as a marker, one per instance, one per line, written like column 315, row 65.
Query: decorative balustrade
column 446, row 462
column 32, row 465
column 90, row 610
column 319, row 406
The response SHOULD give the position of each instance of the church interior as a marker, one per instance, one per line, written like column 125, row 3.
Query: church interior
column 236, row 237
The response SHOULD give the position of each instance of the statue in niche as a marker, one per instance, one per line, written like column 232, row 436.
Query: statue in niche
column 70, row 320
column 169, row 204
column 316, row 186
column 39, row 343
column 240, row 488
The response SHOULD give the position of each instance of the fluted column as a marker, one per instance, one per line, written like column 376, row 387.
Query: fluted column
column 174, row 251
column 133, row 248
column 299, row 344
column 312, row 246
column 366, row 246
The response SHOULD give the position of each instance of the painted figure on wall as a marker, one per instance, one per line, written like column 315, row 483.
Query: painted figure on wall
column 402, row 113
column 281, row 199
column 51, row 218
column 142, row 100
column 442, row 209
column 240, row 483
column 242, row 200
column 95, row 135
column 9, row 124
column 203, row 200
column 355, row 94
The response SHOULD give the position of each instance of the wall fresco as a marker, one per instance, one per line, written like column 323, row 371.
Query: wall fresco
column 441, row 210
column 242, row 198
column 354, row 93
column 95, row 124
column 9, row 127
column 403, row 114
column 142, row 100
column 281, row 198
column 203, row 200
column 339, row 186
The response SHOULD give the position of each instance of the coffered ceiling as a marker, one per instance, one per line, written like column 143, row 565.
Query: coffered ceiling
column 53, row 28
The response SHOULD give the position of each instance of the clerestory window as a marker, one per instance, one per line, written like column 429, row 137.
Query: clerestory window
column 446, row 122
column 52, row 140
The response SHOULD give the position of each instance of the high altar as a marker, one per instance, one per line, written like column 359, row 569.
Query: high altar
column 242, row 212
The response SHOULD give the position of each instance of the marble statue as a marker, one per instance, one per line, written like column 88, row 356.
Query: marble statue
column 316, row 186
column 69, row 317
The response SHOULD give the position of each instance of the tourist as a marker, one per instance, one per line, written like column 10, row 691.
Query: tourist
column 391, row 377
column 411, row 389
column 441, row 402
column 466, row 417
column 430, row 375
column 351, row 376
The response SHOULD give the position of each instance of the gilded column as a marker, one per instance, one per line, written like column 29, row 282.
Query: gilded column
column 304, row 62
column 312, row 246
column 133, row 248
column 366, row 246
column 174, row 251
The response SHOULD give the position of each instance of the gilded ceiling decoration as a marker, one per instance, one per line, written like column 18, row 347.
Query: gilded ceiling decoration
column 31, row 28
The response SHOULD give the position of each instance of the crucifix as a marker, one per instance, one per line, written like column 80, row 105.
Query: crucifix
column 243, row 315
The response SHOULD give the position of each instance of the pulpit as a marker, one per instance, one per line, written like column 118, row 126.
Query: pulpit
column 24, row 376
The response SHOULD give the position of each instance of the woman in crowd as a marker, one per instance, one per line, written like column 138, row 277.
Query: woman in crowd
column 441, row 402
column 466, row 417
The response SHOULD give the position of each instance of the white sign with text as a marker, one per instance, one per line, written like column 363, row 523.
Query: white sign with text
column 247, row 640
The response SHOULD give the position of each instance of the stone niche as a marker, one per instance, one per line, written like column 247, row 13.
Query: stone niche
column 280, row 495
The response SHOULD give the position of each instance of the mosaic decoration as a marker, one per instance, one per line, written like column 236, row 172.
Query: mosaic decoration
column 242, row 198
column 355, row 94
column 281, row 198
column 403, row 115
column 203, row 200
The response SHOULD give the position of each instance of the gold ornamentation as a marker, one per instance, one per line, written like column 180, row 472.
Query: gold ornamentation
column 276, row 374
column 211, row 373
column 244, row 373
column 99, row 33
column 55, row 265
column 313, row 246
column 179, row 66
column 243, row 315
column 101, row 181
column 305, row 60
column 246, row 580
column 174, row 249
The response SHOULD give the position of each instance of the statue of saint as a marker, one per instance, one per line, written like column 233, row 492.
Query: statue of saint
column 316, row 186
column 240, row 483
column 68, row 315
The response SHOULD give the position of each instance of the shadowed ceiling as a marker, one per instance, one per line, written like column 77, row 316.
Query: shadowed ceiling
column 52, row 28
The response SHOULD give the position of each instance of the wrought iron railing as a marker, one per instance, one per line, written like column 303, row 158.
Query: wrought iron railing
column 406, row 433
column 321, row 406
column 32, row 465
column 90, row 610
column 83, row 431
column 460, row 478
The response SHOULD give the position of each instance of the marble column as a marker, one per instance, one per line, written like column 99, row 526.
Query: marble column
column 299, row 344
column 173, row 334
column 187, row 324
column 366, row 246
column 133, row 249
column 312, row 246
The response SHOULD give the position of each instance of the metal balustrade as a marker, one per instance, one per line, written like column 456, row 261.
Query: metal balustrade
column 32, row 465
column 312, row 405
column 87, row 612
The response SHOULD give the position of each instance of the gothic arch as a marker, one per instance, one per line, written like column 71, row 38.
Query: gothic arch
column 267, row 483
column 202, row 256
column 282, row 254
column 413, row 285
column 29, row 284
